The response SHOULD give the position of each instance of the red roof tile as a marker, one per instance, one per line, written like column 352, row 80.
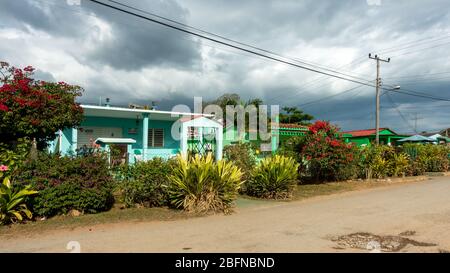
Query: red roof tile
column 360, row 133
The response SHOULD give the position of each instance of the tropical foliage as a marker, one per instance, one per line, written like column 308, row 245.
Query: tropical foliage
column 295, row 115
column 145, row 183
column 12, row 202
column 428, row 157
column 12, row 156
column 328, row 157
column 34, row 109
column 274, row 177
column 242, row 155
column 201, row 185
column 81, row 183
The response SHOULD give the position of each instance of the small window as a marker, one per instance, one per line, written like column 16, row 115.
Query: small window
column 156, row 137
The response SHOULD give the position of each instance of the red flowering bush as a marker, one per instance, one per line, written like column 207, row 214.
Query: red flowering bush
column 33, row 108
column 328, row 157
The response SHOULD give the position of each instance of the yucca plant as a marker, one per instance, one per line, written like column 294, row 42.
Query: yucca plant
column 12, row 206
column 201, row 185
column 275, row 178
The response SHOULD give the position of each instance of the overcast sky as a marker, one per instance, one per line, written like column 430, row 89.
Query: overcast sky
column 128, row 59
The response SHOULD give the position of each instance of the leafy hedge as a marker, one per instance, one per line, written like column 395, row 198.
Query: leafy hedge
column 145, row 183
column 65, row 183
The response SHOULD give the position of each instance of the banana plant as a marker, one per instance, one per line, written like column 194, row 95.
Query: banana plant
column 12, row 206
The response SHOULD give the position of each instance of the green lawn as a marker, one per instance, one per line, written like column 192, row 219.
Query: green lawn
column 308, row 191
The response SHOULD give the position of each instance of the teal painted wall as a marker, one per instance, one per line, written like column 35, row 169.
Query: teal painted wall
column 170, row 144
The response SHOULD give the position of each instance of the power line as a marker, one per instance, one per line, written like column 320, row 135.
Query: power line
column 329, row 97
column 415, row 44
column 419, row 50
column 417, row 76
column 232, row 40
column 252, row 52
column 227, row 44
column 398, row 111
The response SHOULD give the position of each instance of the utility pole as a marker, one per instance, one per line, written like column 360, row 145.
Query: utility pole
column 377, row 101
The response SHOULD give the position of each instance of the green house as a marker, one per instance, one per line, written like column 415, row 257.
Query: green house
column 367, row 137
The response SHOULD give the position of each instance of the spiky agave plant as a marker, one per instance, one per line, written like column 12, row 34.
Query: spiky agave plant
column 273, row 178
column 201, row 185
column 12, row 206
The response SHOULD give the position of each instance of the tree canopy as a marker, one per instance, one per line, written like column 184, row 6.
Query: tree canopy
column 32, row 108
column 295, row 115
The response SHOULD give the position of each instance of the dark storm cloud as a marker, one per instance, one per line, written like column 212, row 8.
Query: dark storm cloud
column 133, row 43
column 137, row 43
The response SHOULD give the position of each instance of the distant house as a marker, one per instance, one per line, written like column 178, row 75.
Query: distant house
column 438, row 137
column 141, row 134
column 445, row 132
column 366, row 137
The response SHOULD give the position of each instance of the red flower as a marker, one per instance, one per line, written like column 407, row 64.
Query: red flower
column 3, row 108
column 335, row 143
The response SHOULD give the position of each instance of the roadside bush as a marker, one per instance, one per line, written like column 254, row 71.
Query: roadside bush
column 381, row 161
column 201, row 185
column 242, row 156
column 145, row 183
column 274, row 177
column 65, row 183
column 328, row 157
column 427, row 158
column 399, row 164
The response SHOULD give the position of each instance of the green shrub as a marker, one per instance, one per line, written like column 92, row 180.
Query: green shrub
column 427, row 157
column 12, row 202
column 65, row 183
column 291, row 147
column 377, row 161
column 242, row 156
column 328, row 157
column 13, row 157
column 273, row 177
column 145, row 183
column 201, row 185
column 398, row 164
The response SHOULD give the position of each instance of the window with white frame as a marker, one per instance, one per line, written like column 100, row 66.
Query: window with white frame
column 156, row 137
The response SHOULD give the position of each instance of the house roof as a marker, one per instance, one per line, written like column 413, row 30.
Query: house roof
column 122, row 112
column 416, row 138
column 366, row 132
column 200, row 121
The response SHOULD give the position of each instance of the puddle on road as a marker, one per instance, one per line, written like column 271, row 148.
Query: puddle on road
column 368, row 241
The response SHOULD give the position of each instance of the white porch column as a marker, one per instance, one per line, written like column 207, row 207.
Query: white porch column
column 74, row 140
column 200, row 139
column 219, row 142
column 144, row 136
column 183, row 140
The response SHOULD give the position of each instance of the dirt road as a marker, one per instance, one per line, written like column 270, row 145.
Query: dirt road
column 422, row 209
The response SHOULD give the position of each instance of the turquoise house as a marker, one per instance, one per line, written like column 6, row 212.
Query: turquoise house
column 141, row 134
